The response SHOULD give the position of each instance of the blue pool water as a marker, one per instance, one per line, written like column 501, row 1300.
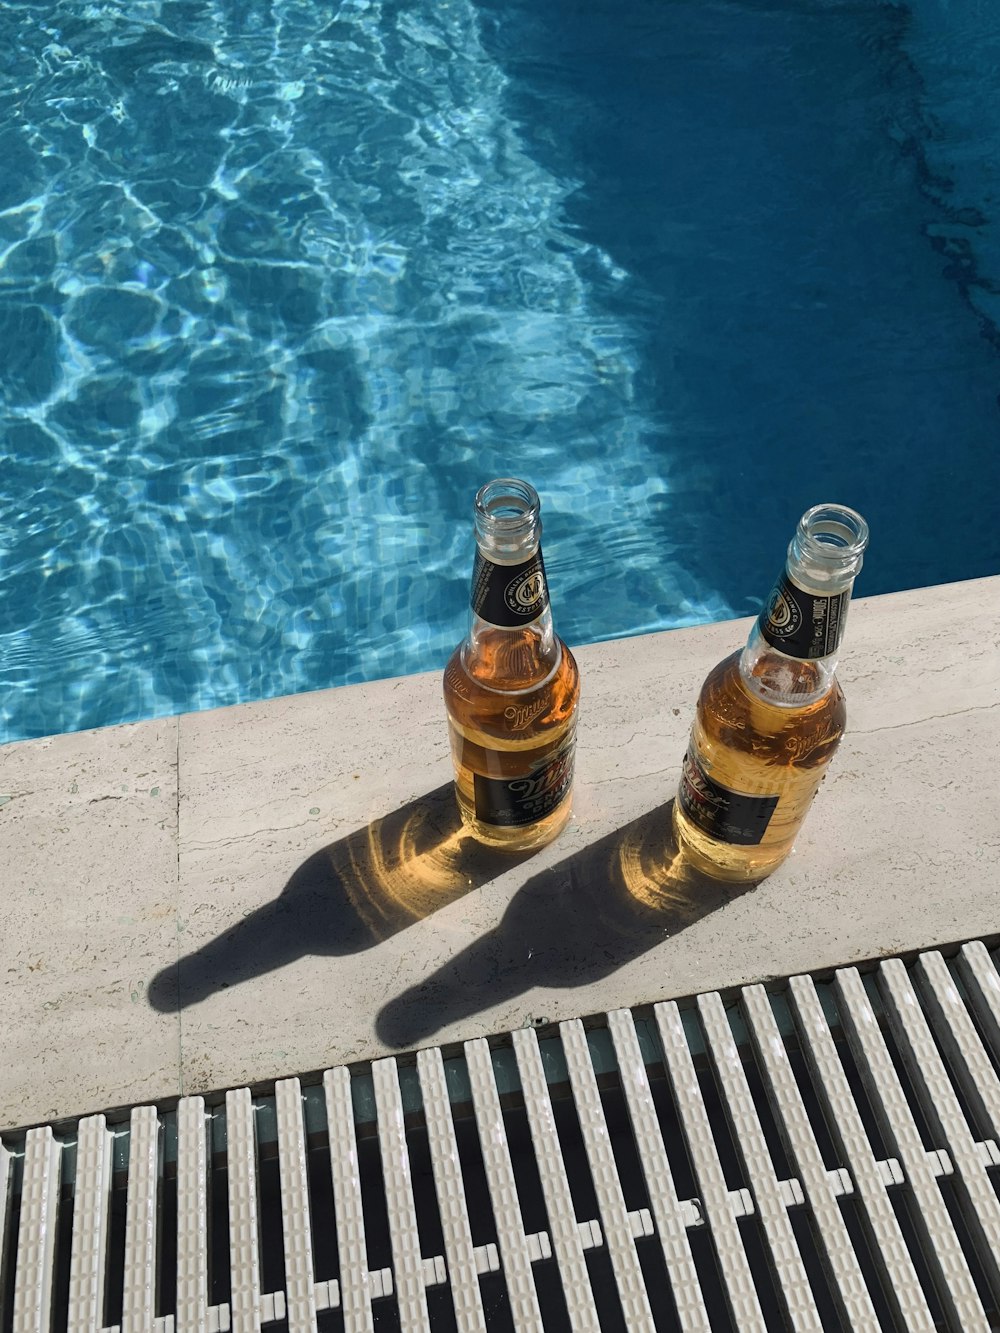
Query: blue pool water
column 282, row 283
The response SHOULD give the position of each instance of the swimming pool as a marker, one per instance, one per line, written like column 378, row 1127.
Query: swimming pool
column 283, row 283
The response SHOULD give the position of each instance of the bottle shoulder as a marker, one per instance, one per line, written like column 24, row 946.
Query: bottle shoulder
column 512, row 660
column 727, row 682
column 499, row 702
column 732, row 715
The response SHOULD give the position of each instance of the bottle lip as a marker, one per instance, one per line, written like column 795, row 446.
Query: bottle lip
column 506, row 504
column 833, row 535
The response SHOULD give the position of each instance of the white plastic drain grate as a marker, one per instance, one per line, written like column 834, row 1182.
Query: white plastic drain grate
column 814, row 1156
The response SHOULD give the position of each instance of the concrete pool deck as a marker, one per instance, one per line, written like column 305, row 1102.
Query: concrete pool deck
column 232, row 896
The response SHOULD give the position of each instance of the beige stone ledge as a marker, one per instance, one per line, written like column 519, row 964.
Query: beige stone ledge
column 232, row 896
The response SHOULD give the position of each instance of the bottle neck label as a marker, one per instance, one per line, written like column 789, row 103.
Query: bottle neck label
column 803, row 624
column 514, row 802
column 509, row 595
column 726, row 815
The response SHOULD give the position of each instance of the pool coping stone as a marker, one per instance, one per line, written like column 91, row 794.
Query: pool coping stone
column 234, row 896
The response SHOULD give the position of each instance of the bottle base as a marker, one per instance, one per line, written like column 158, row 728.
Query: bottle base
column 724, row 861
column 519, row 838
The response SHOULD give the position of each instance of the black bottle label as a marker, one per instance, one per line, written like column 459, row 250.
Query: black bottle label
column 514, row 802
column 727, row 815
column 803, row 624
column 509, row 595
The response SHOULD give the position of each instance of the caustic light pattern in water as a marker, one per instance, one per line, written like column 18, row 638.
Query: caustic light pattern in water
column 282, row 284
column 281, row 289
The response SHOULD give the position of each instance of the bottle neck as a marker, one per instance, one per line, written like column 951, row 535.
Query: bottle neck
column 510, row 622
column 791, row 655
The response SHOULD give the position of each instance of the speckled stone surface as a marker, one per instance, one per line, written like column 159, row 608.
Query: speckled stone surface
column 88, row 862
column 232, row 896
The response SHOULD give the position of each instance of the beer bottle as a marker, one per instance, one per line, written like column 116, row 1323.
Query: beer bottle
column 511, row 686
column 769, row 718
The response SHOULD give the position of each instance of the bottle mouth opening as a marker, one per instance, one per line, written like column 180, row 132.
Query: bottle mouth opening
column 834, row 534
column 506, row 504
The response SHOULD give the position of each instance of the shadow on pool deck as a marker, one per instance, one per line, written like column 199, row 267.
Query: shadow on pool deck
column 345, row 898
column 572, row 923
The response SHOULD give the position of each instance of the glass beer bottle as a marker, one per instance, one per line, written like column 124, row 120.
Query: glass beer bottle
column 769, row 718
column 511, row 687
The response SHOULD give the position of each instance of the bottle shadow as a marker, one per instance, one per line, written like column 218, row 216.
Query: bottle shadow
column 569, row 925
column 345, row 898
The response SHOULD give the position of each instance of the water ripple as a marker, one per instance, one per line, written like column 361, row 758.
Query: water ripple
column 280, row 286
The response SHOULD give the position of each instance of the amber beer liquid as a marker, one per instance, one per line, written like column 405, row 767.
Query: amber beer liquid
column 769, row 718
column 511, row 687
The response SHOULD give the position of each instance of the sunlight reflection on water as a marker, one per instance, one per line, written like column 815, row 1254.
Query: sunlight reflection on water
column 292, row 289
column 282, row 284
